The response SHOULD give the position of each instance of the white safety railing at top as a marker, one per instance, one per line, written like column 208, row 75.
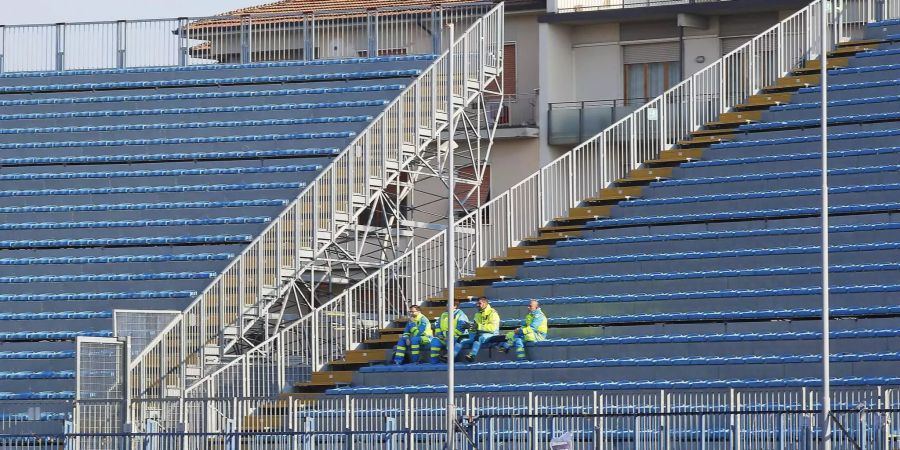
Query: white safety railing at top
column 242, row 38
column 323, row 210
column 359, row 312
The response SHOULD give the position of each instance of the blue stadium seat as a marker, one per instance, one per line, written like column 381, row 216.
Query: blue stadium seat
column 200, row 95
column 103, row 296
column 162, row 157
column 126, row 242
column 115, row 259
column 196, row 110
column 160, row 172
column 152, row 189
column 133, row 223
column 177, row 141
column 300, row 78
column 218, row 67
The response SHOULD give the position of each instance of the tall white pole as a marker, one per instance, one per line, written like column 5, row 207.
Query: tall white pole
column 826, row 328
column 450, row 338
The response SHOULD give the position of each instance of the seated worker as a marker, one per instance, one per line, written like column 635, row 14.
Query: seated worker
column 439, row 341
column 485, row 326
column 416, row 333
column 533, row 329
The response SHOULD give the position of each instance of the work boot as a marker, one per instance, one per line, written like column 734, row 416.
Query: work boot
column 469, row 358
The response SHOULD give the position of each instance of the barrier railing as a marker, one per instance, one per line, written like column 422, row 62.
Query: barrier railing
column 240, row 38
column 360, row 311
column 567, row 6
column 323, row 211
column 786, row 418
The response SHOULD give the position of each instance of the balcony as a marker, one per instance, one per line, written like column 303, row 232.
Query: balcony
column 571, row 123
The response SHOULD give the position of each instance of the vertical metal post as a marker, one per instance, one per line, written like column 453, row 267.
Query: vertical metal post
column 60, row 46
column 121, row 43
column 451, row 251
column 245, row 39
column 435, row 30
column 2, row 46
column 826, row 338
column 372, row 32
column 307, row 43
column 183, row 41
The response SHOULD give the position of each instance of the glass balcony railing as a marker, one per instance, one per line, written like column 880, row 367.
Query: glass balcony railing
column 571, row 123
column 568, row 6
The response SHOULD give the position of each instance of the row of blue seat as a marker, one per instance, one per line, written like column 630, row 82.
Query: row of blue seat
column 127, row 242
column 92, row 296
column 728, row 234
column 792, row 157
column 810, row 138
column 759, row 194
column 725, row 273
column 199, row 82
column 134, row 223
column 194, row 110
column 851, row 86
column 716, row 316
column 766, row 251
column 718, row 337
column 38, row 355
column 201, row 95
column 692, row 295
column 51, row 336
column 632, row 362
column 42, row 375
column 141, row 206
column 62, row 395
column 179, row 257
column 864, row 69
column 186, row 125
column 836, row 103
column 178, row 141
column 153, row 189
column 205, row 67
column 168, row 157
column 738, row 215
column 772, row 175
column 253, row 170
column 57, row 315
column 618, row 385
column 100, row 277
column 809, row 123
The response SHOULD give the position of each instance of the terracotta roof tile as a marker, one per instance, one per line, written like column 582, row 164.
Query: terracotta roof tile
column 289, row 10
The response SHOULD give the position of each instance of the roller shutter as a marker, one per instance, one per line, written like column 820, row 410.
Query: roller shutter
column 651, row 53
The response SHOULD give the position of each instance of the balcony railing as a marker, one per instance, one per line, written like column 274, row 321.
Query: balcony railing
column 571, row 123
column 569, row 6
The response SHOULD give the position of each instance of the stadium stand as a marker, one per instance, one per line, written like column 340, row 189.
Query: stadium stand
column 688, row 271
column 132, row 188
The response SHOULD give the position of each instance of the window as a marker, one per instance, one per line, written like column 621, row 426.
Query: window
column 649, row 80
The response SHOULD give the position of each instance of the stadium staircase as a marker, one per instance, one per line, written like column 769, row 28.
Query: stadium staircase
column 134, row 188
column 700, row 269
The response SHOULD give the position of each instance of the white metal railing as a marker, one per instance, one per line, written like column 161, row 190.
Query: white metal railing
column 359, row 312
column 241, row 38
column 773, row 418
column 322, row 211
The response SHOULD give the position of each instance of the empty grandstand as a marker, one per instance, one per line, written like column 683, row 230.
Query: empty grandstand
column 220, row 255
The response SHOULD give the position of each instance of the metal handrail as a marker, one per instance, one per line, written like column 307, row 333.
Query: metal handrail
column 184, row 41
column 394, row 137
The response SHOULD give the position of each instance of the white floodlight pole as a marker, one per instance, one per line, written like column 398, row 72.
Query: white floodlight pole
column 450, row 338
column 826, row 328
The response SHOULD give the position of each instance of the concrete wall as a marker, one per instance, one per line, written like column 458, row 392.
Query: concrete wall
column 512, row 161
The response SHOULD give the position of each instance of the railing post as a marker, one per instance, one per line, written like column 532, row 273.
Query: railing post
column 636, row 433
column 436, row 30
column 307, row 43
column 2, row 47
column 245, row 39
column 121, row 43
column 183, row 49
column 779, row 50
column 372, row 32
column 60, row 46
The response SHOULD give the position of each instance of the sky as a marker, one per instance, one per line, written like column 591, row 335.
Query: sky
column 54, row 11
